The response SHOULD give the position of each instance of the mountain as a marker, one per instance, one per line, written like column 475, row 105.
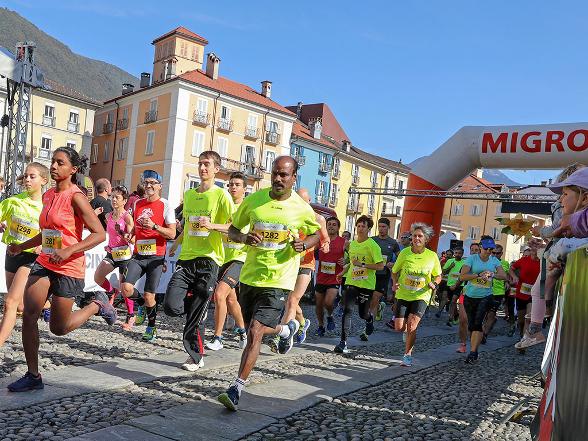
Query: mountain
column 93, row 78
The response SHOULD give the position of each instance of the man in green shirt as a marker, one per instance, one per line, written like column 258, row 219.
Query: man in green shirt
column 201, row 256
column 275, row 217
column 452, row 268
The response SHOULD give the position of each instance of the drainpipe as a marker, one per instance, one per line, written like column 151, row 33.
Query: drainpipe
column 212, row 130
column 262, row 145
column 114, row 143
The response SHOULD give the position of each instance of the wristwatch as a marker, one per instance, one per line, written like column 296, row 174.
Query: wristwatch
column 303, row 246
column 154, row 227
column 363, row 264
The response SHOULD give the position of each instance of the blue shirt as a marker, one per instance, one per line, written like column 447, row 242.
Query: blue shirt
column 479, row 288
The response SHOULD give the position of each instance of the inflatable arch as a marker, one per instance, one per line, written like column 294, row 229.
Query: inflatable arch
column 545, row 146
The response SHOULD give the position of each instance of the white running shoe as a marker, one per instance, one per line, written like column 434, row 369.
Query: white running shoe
column 530, row 340
column 242, row 340
column 191, row 365
column 215, row 344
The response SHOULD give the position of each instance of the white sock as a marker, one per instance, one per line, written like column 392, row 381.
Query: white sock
column 239, row 384
column 284, row 331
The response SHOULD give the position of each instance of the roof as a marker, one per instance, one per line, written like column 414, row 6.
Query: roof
column 472, row 183
column 385, row 163
column 330, row 124
column 54, row 86
column 301, row 130
column 186, row 33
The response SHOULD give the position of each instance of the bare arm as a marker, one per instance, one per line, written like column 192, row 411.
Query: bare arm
column 464, row 274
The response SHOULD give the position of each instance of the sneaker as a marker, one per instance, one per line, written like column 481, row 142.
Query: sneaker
column 369, row 326
column 471, row 358
column 26, row 383
column 230, row 398
column 484, row 339
column 285, row 344
column 341, row 348
column 140, row 316
column 46, row 315
column 150, row 333
column 191, row 365
column 462, row 348
column 380, row 312
column 301, row 334
column 363, row 336
column 330, row 324
column 530, row 340
column 242, row 338
column 215, row 344
column 455, row 322
column 320, row 331
column 390, row 324
column 406, row 360
column 105, row 309
column 273, row 344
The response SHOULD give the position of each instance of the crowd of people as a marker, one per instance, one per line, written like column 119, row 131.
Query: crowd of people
column 255, row 257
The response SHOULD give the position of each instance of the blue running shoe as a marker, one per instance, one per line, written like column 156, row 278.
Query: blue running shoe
column 320, row 331
column 341, row 348
column 230, row 398
column 150, row 333
column 330, row 324
column 105, row 309
column 26, row 383
column 285, row 344
column 301, row 334
column 406, row 360
column 46, row 315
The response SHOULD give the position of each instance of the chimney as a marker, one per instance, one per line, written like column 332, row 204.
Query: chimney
column 478, row 173
column 266, row 89
column 346, row 146
column 145, row 80
column 316, row 127
column 127, row 88
column 299, row 110
column 212, row 64
column 543, row 183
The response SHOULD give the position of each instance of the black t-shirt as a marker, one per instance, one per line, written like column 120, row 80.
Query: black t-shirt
column 100, row 201
column 390, row 250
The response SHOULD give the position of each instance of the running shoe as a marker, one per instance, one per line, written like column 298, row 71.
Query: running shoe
column 390, row 324
column 320, row 331
column 273, row 344
column 471, row 358
column 484, row 339
column 455, row 322
column 406, row 360
column 341, row 348
column 46, row 315
column 26, row 383
column 380, row 312
column 330, row 324
column 230, row 398
column 105, row 309
column 191, row 365
column 141, row 316
column 215, row 344
column 462, row 348
column 369, row 326
column 530, row 340
column 301, row 334
column 242, row 333
column 150, row 333
column 285, row 344
column 363, row 336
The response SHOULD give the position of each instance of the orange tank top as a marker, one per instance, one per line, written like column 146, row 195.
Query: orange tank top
column 61, row 228
column 307, row 259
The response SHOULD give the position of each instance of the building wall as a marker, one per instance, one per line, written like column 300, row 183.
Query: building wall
column 172, row 47
column 309, row 174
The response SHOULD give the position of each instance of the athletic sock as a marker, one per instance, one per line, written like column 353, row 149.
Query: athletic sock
column 106, row 285
column 151, row 315
column 239, row 384
column 284, row 331
column 240, row 330
column 130, row 306
column 302, row 323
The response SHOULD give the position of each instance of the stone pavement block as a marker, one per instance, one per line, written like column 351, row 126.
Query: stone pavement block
column 331, row 383
column 141, row 371
column 85, row 379
column 202, row 420
column 121, row 432
column 11, row 400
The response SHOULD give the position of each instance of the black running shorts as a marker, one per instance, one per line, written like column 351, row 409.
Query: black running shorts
column 382, row 283
column 59, row 284
column 230, row 273
column 322, row 289
column 151, row 266
column 13, row 263
column 406, row 307
column 262, row 304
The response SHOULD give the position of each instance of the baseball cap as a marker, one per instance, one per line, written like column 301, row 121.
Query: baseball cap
column 151, row 174
column 578, row 178
column 487, row 243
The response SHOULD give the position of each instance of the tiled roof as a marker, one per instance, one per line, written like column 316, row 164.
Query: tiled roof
column 474, row 184
column 54, row 86
column 184, row 33
column 301, row 130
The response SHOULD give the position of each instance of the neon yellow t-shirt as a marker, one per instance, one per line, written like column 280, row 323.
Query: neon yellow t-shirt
column 273, row 263
column 453, row 273
column 416, row 272
column 21, row 215
column 368, row 252
column 216, row 204
column 499, row 286
column 235, row 250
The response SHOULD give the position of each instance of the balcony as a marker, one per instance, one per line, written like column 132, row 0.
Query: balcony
column 48, row 121
column 250, row 170
column 321, row 199
column 333, row 202
column 300, row 159
column 252, row 133
column 392, row 212
column 150, row 116
column 73, row 127
column 354, row 207
column 371, row 210
column 225, row 125
column 324, row 167
column 354, row 180
column 122, row 124
column 107, row 128
column 272, row 138
column 41, row 153
column 201, row 118
column 336, row 173
column 451, row 224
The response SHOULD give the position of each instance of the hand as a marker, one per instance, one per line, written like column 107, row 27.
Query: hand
column 395, row 286
column 146, row 223
column 98, row 210
column 536, row 243
column 514, row 280
column 389, row 265
column 339, row 276
column 252, row 238
column 172, row 251
column 298, row 245
column 356, row 262
column 552, row 266
column 59, row 256
column 2, row 227
column 14, row 249
column 564, row 229
column 341, row 261
column 127, row 236
column 326, row 247
column 536, row 230
column 204, row 221
column 432, row 285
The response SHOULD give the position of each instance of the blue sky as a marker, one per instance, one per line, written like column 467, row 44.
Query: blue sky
column 401, row 77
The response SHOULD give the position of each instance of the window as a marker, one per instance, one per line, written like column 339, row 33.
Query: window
column 183, row 49
column 252, row 122
column 371, row 204
column 474, row 232
column 457, row 210
column 387, row 182
column 109, row 118
column 336, row 166
column 123, row 146
column 321, row 192
column 94, row 154
column 74, row 117
column 71, row 144
column 349, row 221
column 106, row 157
column 248, row 155
column 222, row 146
column 202, row 106
column 118, row 182
column 197, row 143
column 354, row 170
column 225, row 112
column 496, row 233
column 476, row 210
column 49, row 115
column 272, row 127
column 334, row 195
column 125, row 114
column 194, row 52
column 498, row 209
column 150, row 147
column 400, row 184
column 374, row 178
column 45, row 151
column 269, row 160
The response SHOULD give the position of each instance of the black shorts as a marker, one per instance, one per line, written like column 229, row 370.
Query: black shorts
column 13, row 263
column 59, row 284
column 497, row 301
column 382, row 283
column 151, row 266
column 262, row 304
column 121, row 265
column 456, row 292
column 305, row 272
column 522, row 305
column 476, row 309
column 406, row 307
column 322, row 289
column 230, row 272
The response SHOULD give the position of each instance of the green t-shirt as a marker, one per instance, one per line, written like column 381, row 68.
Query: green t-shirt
column 416, row 272
column 453, row 273
column 21, row 215
column 273, row 263
column 498, row 286
column 216, row 204
column 235, row 250
column 368, row 252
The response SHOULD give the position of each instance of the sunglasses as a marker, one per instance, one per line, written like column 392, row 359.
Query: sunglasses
column 405, row 237
column 496, row 252
column 489, row 248
column 151, row 183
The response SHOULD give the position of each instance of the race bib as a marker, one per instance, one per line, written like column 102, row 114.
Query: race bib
column 512, row 292
column 328, row 267
column 228, row 243
column 359, row 273
column 526, row 288
column 51, row 241
column 120, row 254
column 146, row 247
column 414, row 282
column 22, row 229
column 274, row 236
column 195, row 229
column 481, row 283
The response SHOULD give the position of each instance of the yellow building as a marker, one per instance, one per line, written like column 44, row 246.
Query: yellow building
column 165, row 125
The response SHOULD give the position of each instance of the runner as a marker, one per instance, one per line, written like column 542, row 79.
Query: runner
column 101, row 203
column 275, row 216
column 139, row 193
column 21, row 214
column 416, row 275
column 119, row 223
column 451, row 265
column 527, row 270
column 405, row 240
column 59, row 269
column 360, row 277
column 390, row 250
column 327, row 287
column 474, row 248
column 479, row 270
column 154, row 224
column 499, row 288
column 225, row 294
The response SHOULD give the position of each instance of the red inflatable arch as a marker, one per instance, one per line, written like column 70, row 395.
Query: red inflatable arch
column 545, row 146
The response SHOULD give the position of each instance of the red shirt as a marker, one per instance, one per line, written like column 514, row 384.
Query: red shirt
column 149, row 242
column 327, row 272
column 528, row 272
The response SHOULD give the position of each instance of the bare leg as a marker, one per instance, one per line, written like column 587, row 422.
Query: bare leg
column 251, row 352
column 34, row 299
column 375, row 302
column 319, row 298
column 463, row 325
column 16, row 284
column 102, row 271
column 330, row 300
column 63, row 320
column 294, row 297
column 220, row 307
column 411, row 327
column 475, row 340
column 235, row 309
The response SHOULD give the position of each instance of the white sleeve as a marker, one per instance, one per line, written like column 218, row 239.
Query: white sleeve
column 169, row 215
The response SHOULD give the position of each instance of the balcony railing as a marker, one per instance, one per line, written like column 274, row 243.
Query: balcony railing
column 252, row 133
column 354, row 207
column 272, row 138
column 321, row 199
column 41, row 153
column 150, row 116
column 122, row 124
column 371, row 210
column 108, row 128
column 324, row 167
column 336, row 173
column 301, row 159
column 225, row 125
column 355, row 180
column 201, row 118
column 333, row 202
column 450, row 223
column 250, row 170
column 73, row 127
column 49, row 121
